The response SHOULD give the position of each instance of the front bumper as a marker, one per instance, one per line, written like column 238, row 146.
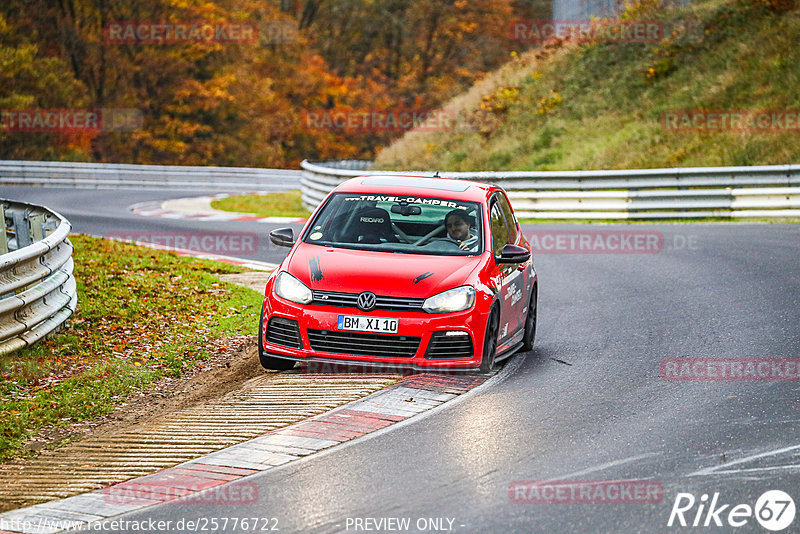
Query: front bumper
column 317, row 365
column 321, row 322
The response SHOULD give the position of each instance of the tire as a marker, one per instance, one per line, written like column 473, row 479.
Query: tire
column 267, row 361
column 490, row 341
column 530, row 323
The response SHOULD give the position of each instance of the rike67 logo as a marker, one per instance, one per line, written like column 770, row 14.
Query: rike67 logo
column 774, row 511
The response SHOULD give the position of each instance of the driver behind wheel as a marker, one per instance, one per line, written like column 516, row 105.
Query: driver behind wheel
column 457, row 223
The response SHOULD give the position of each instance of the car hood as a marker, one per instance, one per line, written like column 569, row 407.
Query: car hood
column 383, row 273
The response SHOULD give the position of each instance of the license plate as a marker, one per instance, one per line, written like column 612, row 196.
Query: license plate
column 380, row 325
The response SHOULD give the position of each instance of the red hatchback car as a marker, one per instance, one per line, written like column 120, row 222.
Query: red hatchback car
column 419, row 273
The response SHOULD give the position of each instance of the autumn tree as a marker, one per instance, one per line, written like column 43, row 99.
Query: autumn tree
column 239, row 102
column 30, row 80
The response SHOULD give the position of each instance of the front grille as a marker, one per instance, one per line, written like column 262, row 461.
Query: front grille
column 284, row 332
column 444, row 346
column 362, row 344
column 348, row 300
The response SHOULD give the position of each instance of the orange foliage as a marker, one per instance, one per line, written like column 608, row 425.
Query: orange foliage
column 240, row 102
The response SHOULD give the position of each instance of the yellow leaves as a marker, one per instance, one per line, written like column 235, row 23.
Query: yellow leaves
column 196, row 96
column 181, row 4
column 222, row 81
column 219, row 93
column 340, row 89
column 468, row 27
column 641, row 8
column 509, row 93
column 493, row 108
column 500, row 100
column 193, row 8
column 659, row 69
column 549, row 103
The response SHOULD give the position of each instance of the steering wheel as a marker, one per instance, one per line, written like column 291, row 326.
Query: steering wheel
column 424, row 239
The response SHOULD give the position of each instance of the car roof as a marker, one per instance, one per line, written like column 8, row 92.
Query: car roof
column 417, row 185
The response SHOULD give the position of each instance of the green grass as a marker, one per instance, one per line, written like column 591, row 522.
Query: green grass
column 142, row 315
column 284, row 204
column 599, row 105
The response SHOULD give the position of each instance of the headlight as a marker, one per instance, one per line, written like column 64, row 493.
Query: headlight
column 452, row 300
column 290, row 288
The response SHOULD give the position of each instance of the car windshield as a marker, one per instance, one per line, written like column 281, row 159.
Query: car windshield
column 402, row 223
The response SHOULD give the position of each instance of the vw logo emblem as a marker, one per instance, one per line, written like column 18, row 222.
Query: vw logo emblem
column 366, row 300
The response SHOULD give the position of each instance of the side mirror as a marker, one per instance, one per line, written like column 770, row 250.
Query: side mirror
column 283, row 237
column 514, row 254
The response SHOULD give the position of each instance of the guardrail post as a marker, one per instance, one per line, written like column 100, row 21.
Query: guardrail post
column 48, row 227
column 22, row 229
column 37, row 221
column 3, row 235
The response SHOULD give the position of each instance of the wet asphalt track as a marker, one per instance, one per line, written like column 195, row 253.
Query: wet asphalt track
column 587, row 404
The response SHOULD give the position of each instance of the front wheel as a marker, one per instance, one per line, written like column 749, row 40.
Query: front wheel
column 490, row 341
column 530, row 324
column 267, row 361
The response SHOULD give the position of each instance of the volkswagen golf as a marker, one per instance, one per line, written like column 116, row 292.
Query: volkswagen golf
column 407, row 272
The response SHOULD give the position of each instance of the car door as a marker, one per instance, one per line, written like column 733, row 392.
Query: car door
column 509, row 276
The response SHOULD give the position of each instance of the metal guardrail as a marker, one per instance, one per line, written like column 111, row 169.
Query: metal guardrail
column 699, row 192
column 37, row 289
column 125, row 176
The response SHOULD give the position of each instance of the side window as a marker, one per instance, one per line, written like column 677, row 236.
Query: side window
column 499, row 229
column 512, row 222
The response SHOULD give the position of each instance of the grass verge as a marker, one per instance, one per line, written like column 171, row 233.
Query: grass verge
column 283, row 204
column 143, row 315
